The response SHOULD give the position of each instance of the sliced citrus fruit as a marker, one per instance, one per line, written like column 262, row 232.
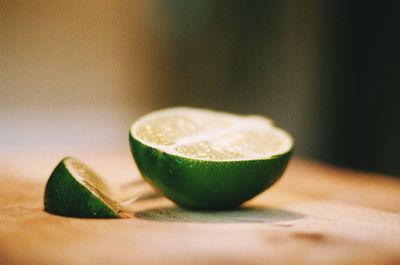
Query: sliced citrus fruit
column 206, row 159
column 75, row 190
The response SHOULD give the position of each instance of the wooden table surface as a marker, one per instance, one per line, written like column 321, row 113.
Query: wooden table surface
column 316, row 214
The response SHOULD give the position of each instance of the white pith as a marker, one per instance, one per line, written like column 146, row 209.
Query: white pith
column 217, row 130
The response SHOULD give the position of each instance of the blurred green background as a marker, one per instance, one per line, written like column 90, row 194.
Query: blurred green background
column 77, row 73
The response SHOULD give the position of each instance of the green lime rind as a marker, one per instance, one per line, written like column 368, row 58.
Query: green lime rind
column 66, row 196
column 204, row 184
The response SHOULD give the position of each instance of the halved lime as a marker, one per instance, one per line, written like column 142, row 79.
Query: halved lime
column 74, row 189
column 206, row 159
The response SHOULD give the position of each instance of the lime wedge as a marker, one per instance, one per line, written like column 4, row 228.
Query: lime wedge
column 75, row 190
column 207, row 159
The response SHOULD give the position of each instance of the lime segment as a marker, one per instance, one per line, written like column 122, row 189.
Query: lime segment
column 75, row 190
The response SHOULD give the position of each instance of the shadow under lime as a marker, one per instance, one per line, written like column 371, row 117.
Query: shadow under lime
column 240, row 215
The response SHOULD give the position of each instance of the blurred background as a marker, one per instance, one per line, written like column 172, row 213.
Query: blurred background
column 78, row 73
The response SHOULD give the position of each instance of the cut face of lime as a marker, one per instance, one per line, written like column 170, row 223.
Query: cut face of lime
column 210, row 135
column 208, row 159
column 74, row 189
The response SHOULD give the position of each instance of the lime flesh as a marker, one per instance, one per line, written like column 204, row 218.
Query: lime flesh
column 203, row 159
column 75, row 190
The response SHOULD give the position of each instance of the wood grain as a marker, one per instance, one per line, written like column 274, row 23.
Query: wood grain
column 316, row 214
